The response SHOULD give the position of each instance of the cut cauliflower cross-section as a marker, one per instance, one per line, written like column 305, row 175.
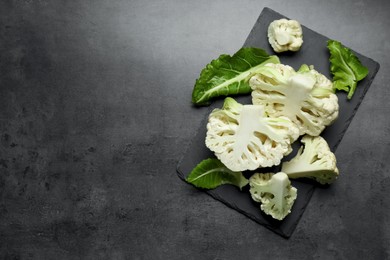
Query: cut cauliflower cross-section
column 285, row 35
column 306, row 96
column 274, row 192
column 314, row 160
column 243, row 138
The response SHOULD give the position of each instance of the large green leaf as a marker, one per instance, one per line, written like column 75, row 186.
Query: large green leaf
column 345, row 67
column 229, row 75
column 211, row 173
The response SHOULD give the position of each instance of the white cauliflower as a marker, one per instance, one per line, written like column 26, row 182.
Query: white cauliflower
column 274, row 192
column 314, row 160
column 285, row 35
column 306, row 96
column 243, row 138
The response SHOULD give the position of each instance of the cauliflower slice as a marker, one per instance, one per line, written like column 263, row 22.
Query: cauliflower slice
column 306, row 96
column 243, row 138
column 274, row 192
column 285, row 35
column 314, row 160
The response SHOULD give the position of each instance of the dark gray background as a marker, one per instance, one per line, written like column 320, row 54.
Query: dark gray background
column 95, row 114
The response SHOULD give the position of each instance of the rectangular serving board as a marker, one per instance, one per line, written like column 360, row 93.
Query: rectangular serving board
column 313, row 52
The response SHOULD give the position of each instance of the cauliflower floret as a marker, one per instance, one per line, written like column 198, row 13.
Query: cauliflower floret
column 274, row 192
column 243, row 138
column 306, row 96
column 285, row 35
column 314, row 160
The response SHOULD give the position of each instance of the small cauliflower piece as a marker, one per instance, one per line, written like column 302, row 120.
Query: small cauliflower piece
column 305, row 96
column 274, row 192
column 285, row 35
column 314, row 160
column 243, row 138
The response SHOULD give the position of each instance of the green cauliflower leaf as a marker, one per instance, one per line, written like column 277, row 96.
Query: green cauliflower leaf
column 229, row 75
column 345, row 68
column 211, row 173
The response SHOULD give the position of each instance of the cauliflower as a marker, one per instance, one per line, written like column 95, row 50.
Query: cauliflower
column 274, row 192
column 285, row 35
column 306, row 96
column 314, row 160
column 243, row 138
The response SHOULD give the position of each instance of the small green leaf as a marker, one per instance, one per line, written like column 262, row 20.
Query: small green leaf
column 211, row 173
column 304, row 68
column 229, row 75
column 345, row 68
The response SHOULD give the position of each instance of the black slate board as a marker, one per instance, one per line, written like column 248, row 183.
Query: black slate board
column 313, row 52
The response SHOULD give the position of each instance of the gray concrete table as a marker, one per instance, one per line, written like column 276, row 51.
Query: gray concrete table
column 95, row 114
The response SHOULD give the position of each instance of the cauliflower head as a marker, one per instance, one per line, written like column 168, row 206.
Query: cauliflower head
column 305, row 96
column 314, row 160
column 243, row 138
column 285, row 35
column 274, row 192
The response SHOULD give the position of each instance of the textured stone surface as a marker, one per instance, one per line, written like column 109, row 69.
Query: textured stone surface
column 95, row 113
